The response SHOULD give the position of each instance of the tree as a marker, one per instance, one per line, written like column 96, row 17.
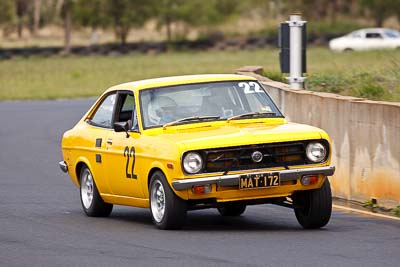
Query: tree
column 126, row 14
column 197, row 13
column 65, row 8
column 379, row 10
column 37, row 6
column 7, row 11
column 194, row 12
column 91, row 13
column 22, row 9
column 121, row 15
column 167, row 12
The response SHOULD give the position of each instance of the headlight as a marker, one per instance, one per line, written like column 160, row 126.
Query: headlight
column 192, row 162
column 316, row 152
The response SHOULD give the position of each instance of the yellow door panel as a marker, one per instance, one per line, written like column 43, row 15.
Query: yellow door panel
column 119, row 161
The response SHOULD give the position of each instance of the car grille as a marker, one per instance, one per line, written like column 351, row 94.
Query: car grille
column 240, row 158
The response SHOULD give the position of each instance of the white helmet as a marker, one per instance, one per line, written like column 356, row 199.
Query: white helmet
column 165, row 102
column 157, row 104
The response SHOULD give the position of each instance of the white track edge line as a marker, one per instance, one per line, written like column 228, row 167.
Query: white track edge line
column 366, row 212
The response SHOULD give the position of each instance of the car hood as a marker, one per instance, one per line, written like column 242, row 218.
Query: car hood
column 340, row 39
column 232, row 134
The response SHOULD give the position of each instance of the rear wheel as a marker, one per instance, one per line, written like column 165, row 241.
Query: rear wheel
column 231, row 209
column 168, row 211
column 92, row 203
column 313, row 208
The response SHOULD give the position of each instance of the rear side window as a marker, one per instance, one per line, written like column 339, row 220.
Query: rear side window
column 104, row 113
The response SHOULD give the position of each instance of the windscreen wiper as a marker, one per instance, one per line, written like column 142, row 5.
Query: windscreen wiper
column 251, row 115
column 191, row 119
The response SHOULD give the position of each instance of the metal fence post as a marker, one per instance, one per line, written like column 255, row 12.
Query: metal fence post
column 295, row 79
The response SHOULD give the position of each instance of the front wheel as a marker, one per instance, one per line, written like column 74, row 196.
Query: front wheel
column 168, row 211
column 92, row 203
column 313, row 208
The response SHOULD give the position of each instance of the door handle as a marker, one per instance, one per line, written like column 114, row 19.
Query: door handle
column 109, row 141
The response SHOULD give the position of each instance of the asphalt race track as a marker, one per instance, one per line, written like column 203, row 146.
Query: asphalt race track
column 42, row 224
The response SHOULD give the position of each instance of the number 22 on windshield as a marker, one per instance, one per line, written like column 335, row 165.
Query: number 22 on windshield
column 250, row 87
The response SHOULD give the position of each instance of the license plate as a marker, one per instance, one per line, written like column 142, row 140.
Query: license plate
column 262, row 180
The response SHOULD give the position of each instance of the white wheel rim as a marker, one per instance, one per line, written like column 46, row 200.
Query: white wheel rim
column 87, row 189
column 157, row 200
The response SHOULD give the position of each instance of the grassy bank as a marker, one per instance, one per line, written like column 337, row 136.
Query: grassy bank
column 374, row 75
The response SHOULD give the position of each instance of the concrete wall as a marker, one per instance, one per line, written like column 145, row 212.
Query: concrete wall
column 365, row 136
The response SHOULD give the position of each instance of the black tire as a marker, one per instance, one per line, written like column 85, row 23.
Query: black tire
column 92, row 203
column 168, row 211
column 231, row 209
column 313, row 208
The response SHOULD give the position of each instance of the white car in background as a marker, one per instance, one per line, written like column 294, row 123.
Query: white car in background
column 367, row 39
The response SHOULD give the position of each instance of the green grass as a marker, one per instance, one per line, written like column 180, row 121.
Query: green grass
column 375, row 75
column 58, row 77
column 396, row 211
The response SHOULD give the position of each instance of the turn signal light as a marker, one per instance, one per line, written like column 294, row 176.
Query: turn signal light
column 309, row 179
column 202, row 189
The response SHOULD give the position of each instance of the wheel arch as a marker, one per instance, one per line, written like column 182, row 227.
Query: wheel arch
column 80, row 163
column 181, row 194
column 156, row 165
column 151, row 172
column 78, row 170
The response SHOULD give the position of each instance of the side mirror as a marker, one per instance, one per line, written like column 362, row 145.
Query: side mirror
column 122, row 127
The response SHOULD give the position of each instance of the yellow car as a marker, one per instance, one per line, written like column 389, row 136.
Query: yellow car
column 191, row 142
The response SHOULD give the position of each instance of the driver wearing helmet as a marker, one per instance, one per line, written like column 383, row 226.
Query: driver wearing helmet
column 167, row 108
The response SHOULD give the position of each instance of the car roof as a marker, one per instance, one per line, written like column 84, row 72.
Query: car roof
column 177, row 80
column 373, row 30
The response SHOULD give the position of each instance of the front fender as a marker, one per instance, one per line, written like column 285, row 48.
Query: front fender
column 171, row 170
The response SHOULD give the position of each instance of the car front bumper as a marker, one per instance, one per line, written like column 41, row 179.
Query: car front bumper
column 233, row 179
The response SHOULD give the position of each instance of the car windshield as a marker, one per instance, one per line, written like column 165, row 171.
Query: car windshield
column 205, row 102
column 356, row 34
column 392, row 34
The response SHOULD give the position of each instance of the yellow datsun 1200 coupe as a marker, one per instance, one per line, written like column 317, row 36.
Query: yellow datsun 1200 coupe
column 190, row 142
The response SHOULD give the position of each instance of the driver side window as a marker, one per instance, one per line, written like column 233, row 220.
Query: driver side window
column 126, row 110
column 373, row 35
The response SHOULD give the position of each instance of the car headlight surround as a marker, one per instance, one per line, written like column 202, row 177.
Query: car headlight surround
column 316, row 152
column 192, row 163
